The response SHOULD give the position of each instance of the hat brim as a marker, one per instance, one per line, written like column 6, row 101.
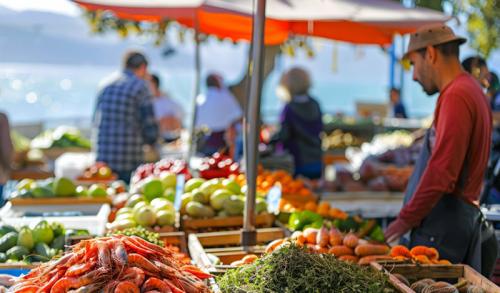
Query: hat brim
column 459, row 40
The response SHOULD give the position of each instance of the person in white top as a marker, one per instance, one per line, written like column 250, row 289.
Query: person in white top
column 168, row 112
column 219, row 112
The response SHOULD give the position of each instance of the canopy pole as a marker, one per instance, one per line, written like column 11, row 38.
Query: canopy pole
column 197, row 79
column 249, row 235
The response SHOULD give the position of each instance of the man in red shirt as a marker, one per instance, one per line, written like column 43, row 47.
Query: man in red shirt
column 441, row 201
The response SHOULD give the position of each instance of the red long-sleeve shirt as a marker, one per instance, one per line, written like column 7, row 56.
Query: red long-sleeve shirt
column 462, row 125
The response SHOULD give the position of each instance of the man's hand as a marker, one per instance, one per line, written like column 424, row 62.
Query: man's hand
column 395, row 230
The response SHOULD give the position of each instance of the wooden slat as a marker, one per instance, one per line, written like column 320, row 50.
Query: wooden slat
column 477, row 279
column 220, row 222
column 60, row 201
column 234, row 237
column 395, row 282
column 412, row 271
column 177, row 239
column 197, row 253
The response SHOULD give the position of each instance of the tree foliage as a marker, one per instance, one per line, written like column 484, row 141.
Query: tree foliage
column 482, row 20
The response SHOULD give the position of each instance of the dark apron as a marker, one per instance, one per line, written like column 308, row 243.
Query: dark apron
column 453, row 227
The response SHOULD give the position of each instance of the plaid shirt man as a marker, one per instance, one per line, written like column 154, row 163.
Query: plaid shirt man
column 124, row 121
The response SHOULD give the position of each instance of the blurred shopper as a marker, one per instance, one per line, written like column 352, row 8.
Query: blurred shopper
column 124, row 118
column 300, row 124
column 441, row 201
column 494, row 91
column 477, row 67
column 6, row 153
column 168, row 112
column 398, row 110
column 220, row 114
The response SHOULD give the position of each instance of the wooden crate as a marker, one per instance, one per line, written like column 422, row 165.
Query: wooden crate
column 227, row 246
column 176, row 239
column 413, row 271
column 194, row 225
column 60, row 201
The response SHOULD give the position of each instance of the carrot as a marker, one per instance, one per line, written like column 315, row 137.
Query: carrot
column 319, row 249
column 237, row 263
column 340, row 250
column 370, row 258
column 422, row 259
column 349, row 258
column 351, row 240
column 371, row 249
column 400, row 250
column 419, row 250
column 310, row 234
column 335, row 237
column 322, row 238
column 432, row 253
column 249, row 258
column 272, row 246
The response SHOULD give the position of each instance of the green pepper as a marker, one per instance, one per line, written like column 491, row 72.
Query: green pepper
column 377, row 234
column 57, row 228
column 43, row 233
column 299, row 220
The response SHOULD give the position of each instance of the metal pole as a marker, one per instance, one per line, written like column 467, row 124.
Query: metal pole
column 197, row 78
column 249, row 235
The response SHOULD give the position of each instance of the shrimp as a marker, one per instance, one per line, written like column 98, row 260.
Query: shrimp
column 196, row 272
column 27, row 289
column 119, row 254
column 66, row 283
column 126, row 287
column 52, row 281
column 173, row 287
column 110, row 287
column 135, row 275
column 104, row 254
column 140, row 261
column 79, row 269
column 156, row 284
column 137, row 247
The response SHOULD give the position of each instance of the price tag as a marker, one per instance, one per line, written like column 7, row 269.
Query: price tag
column 273, row 199
column 179, row 190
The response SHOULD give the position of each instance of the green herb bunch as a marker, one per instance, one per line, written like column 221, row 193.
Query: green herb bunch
column 293, row 269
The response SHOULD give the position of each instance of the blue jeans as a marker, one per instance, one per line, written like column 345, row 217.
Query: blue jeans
column 310, row 170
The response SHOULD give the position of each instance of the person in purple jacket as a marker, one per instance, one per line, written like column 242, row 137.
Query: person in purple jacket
column 300, row 124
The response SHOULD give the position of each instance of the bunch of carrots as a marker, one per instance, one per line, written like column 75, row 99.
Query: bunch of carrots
column 419, row 254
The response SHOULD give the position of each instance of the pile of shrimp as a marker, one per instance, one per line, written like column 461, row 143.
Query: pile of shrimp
column 114, row 264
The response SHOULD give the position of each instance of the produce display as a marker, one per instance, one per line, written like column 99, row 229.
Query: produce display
column 38, row 244
column 156, row 169
column 64, row 187
column 218, row 166
column 428, row 285
column 215, row 197
column 139, row 231
column 99, row 171
column 154, row 238
column 266, row 179
column 339, row 140
column 61, row 137
column 299, row 221
column 114, row 264
column 139, row 211
column 323, row 208
column 347, row 247
column 294, row 269
column 418, row 254
column 385, row 164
